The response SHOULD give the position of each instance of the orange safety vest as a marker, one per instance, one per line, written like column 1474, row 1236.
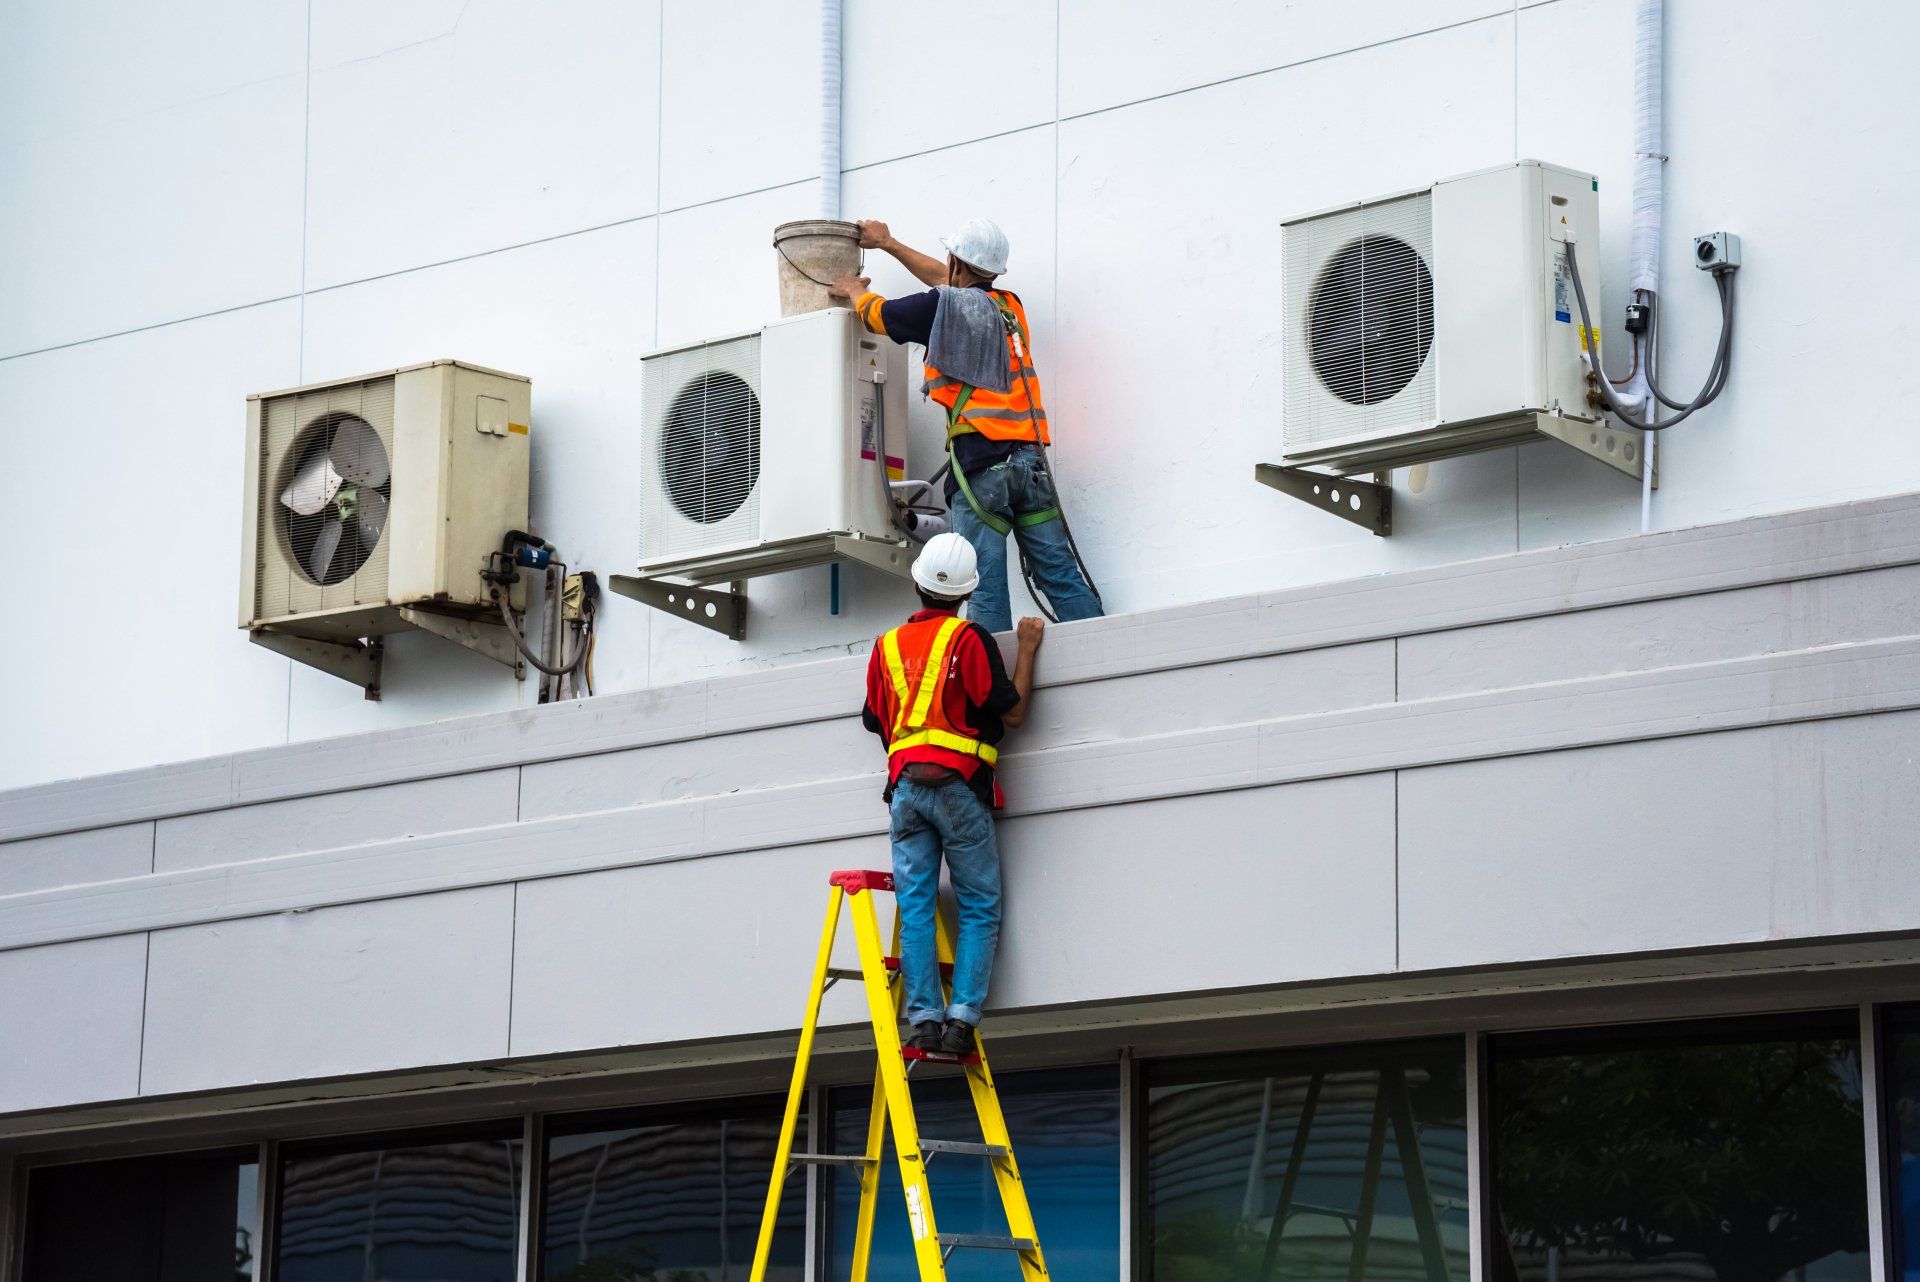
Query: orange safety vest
column 919, row 661
column 1016, row 414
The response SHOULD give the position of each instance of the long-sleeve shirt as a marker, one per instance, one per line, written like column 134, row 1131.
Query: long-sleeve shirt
column 910, row 320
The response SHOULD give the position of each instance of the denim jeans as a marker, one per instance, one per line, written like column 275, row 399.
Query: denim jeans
column 1011, row 489
column 926, row 823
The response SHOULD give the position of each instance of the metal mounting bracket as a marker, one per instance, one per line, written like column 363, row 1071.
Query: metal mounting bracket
column 723, row 612
column 895, row 558
column 1365, row 503
column 1619, row 448
column 355, row 661
column 479, row 636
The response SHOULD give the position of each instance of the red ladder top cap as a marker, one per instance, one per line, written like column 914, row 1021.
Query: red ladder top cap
column 855, row 880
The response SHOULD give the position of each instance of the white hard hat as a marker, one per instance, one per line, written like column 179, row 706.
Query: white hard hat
column 980, row 244
column 946, row 567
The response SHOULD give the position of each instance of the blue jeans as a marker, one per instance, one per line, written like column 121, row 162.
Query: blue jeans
column 1011, row 489
column 928, row 822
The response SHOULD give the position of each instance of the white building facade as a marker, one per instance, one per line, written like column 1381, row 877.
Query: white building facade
column 1370, row 899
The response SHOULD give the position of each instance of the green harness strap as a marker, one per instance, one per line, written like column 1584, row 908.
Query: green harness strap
column 957, row 426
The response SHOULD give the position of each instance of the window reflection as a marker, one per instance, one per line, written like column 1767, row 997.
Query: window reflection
column 677, row 1200
column 180, row 1218
column 1728, row 1150
column 1344, row 1162
column 418, row 1212
column 1901, row 1033
column 1066, row 1136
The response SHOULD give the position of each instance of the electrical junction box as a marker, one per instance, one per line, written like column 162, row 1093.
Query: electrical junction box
column 1442, row 321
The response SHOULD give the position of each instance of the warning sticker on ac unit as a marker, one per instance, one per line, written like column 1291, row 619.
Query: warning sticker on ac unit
column 1562, row 288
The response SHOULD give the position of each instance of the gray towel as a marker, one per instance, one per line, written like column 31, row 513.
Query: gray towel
column 969, row 340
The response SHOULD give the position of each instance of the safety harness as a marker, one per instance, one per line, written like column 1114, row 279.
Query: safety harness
column 958, row 426
column 912, row 709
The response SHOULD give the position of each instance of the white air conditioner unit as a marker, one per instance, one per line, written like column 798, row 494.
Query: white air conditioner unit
column 763, row 449
column 373, row 502
column 1442, row 321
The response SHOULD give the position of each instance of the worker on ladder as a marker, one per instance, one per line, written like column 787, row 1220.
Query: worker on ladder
column 979, row 369
column 938, row 696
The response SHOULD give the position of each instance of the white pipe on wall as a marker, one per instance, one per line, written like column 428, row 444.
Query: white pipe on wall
column 829, row 108
column 1649, row 207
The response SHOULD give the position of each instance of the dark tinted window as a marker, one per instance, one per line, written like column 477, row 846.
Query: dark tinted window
column 1066, row 1137
column 151, row 1219
column 404, row 1212
column 1331, row 1163
column 1717, row 1149
column 1902, row 1040
column 669, row 1198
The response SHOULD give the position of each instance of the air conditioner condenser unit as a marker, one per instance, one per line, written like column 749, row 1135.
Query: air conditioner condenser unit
column 770, row 450
column 1441, row 322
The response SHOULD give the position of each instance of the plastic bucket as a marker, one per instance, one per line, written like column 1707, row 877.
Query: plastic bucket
column 813, row 253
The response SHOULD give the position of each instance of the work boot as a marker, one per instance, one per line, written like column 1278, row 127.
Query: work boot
column 957, row 1038
column 926, row 1036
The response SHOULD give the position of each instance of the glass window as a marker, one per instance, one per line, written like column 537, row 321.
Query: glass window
column 1709, row 1149
column 1066, row 1136
column 1337, row 1162
column 1900, row 1032
column 402, row 1211
column 671, row 1196
column 178, row 1218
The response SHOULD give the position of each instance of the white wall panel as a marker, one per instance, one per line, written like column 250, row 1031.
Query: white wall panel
column 1764, row 834
column 75, row 858
column 1169, row 319
column 920, row 76
column 1113, row 53
column 126, row 461
column 174, row 197
column 71, row 1015
column 739, row 99
column 443, row 131
column 580, row 344
column 355, row 989
column 481, row 799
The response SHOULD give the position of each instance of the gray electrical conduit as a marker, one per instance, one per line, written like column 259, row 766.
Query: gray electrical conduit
column 520, row 644
column 1716, row 374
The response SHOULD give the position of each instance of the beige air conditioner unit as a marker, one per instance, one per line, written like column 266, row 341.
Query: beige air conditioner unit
column 1434, row 323
column 372, row 504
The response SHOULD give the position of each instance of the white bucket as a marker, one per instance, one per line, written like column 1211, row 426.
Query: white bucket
column 814, row 253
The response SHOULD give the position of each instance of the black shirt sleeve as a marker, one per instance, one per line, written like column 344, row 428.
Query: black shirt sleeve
column 910, row 319
column 1004, row 694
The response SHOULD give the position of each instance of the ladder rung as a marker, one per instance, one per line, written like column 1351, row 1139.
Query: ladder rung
column 937, row 1057
column 842, row 972
column 829, row 1159
column 967, row 1147
column 987, row 1242
column 893, row 963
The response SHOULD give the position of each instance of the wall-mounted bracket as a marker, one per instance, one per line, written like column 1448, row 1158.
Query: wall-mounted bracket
column 895, row 558
column 355, row 661
column 477, row 635
column 723, row 612
column 1365, row 503
column 1621, row 449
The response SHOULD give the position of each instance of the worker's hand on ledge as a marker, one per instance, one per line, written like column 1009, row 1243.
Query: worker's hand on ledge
column 874, row 234
column 1029, row 632
column 849, row 287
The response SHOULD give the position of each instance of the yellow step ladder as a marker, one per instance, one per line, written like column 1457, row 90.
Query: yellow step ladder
column 893, row 1103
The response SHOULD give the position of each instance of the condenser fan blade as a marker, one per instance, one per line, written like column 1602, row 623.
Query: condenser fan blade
column 320, row 559
column 313, row 487
column 370, row 517
column 356, row 453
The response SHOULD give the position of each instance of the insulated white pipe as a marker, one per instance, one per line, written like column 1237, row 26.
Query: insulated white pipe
column 829, row 108
column 1649, row 210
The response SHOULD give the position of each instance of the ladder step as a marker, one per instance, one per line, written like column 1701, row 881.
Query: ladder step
column 842, row 972
column 828, row 1159
column 937, row 1057
column 966, row 1147
column 987, row 1242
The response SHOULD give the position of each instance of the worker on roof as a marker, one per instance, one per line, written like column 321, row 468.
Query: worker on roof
column 938, row 696
column 979, row 369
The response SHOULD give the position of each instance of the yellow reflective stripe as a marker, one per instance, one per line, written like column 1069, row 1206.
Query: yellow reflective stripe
column 936, row 668
column 951, row 742
column 897, row 670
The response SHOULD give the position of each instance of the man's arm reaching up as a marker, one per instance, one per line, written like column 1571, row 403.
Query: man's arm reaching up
column 875, row 235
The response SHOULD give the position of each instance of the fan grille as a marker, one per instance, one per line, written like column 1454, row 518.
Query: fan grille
column 1359, row 295
column 292, row 428
column 701, row 439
